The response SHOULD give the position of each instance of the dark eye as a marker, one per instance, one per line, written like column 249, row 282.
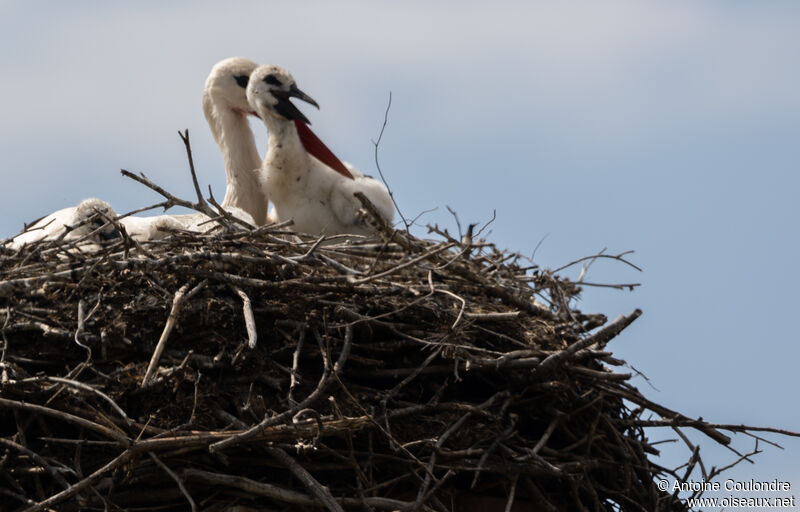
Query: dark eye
column 242, row 80
column 273, row 80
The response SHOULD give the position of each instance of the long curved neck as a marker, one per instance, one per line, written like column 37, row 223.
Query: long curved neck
column 242, row 163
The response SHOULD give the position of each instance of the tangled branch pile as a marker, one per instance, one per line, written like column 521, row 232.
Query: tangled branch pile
column 258, row 370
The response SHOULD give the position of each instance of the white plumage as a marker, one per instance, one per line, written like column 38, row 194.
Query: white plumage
column 226, row 109
column 156, row 227
column 301, row 187
column 159, row 226
column 89, row 217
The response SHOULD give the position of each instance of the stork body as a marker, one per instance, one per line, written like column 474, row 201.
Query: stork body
column 89, row 217
column 313, row 190
column 200, row 222
column 156, row 227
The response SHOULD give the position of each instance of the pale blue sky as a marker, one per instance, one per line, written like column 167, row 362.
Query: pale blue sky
column 668, row 128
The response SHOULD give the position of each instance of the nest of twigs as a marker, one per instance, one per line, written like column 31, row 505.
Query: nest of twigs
column 259, row 370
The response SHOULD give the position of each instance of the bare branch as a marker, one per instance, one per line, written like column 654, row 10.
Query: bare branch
column 377, row 143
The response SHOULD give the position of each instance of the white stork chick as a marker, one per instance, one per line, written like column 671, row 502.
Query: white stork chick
column 73, row 223
column 200, row 222
column 157, row 227
column 226, row 109
column 304, row 180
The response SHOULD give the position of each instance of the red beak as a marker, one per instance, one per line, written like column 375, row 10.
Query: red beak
column 317, row 148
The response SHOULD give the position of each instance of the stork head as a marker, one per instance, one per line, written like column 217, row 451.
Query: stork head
column 226, row 85
column 269, row 93
column 95, row 214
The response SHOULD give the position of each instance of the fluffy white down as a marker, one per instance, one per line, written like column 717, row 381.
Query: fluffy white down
column 142, row 229
column 201, row 223
column 302, row 189
column 72, row 223
column 323, row 202
column 75, row 222
column 159, row 226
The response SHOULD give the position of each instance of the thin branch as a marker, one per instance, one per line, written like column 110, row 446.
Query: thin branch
column 488, row 223
column 120, row 438
column 512, row 492
column 176, row 478
column 185, row 138
column 79, row 385
column 37, row 459
column 295, row 364
column 322, row 386
column 601, row 338
column 458, row 222
column 249, row 318
column 177, row 303
column 618, row 257
column 376, row 143
column 319, row 491
column 287, row 496
column 83, row 484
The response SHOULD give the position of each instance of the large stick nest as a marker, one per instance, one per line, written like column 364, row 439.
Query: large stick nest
column 387, row 374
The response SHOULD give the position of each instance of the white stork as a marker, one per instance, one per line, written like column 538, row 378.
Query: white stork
column 155, row 227
column 226, row 109
column 90, row 217
column 304, row 180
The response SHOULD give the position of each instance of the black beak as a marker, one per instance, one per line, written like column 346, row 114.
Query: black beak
column 294, row 92
column 109, row 236
column 287, row 109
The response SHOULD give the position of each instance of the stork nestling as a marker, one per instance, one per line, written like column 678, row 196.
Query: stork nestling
column 304, row 180
column 156, row 227
column 226, row 109
column 89, row 219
